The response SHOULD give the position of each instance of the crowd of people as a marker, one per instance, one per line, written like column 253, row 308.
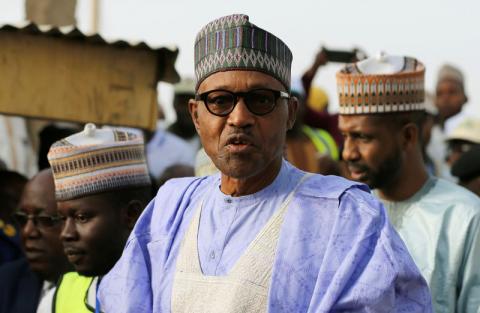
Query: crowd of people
column 257, row 198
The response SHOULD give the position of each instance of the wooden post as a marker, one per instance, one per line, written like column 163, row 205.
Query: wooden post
column 51, row 12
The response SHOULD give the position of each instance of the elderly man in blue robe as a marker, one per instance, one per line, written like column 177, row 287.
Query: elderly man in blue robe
column 260, row 236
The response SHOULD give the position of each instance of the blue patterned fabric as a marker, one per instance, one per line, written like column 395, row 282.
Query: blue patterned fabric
column 337, row 250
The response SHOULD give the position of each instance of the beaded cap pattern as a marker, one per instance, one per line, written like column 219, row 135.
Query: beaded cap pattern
column 96, row 161
column 361, row 93
column 233, row 43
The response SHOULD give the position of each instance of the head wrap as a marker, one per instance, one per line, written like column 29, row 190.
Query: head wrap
column 450, row 72
column 384, row 84
column 233, row 43
column 97, row 160
column 467, row 130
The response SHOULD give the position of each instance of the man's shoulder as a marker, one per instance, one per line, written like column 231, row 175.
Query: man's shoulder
column 168, row 207
column 14, row 268
column 330, row 187
column 177, row 188
column 341, row 195
column 451, row 196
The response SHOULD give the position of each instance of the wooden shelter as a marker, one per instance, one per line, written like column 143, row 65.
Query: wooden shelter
column 63, row 74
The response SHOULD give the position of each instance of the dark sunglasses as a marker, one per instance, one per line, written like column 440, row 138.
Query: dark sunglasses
column 41, row 220
column 261, row 101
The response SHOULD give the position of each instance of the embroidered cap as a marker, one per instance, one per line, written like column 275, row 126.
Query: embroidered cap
column 97, row 160
column 384, row 84
column 233, row 43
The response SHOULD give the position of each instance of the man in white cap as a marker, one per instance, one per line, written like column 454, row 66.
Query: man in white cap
column 101, row 187
column 462, row 139
column 261, row 236
column 381, row 113
column 450, row 98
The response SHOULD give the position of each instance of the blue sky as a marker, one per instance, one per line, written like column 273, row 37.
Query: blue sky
column 434, row 31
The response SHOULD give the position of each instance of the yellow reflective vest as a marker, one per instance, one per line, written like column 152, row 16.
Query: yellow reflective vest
column 322, row 140
column 72, row 293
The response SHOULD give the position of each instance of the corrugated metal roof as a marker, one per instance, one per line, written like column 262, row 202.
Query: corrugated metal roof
column 166, row 55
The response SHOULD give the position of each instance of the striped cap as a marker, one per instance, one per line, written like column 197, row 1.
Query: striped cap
column 385, row 84
column 233, row 43
column 97, row 160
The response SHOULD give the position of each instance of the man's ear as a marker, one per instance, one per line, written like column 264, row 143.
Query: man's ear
column 132, row 212
column 410, row 136
column 292, row 112
column 193, row 109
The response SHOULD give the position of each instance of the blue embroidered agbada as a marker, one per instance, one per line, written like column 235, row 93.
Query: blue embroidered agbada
column 337, row 251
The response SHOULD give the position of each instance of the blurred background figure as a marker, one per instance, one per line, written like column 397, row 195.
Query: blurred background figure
column 429, row 120
column 16, row 150
column 316, row 101
column 49, row 134
column 311, row 149
column 183, row 126
column 26, row 280
column 462, row 139
column 204, row 165
column 467, row 170
column 450, row 98
column 11, row 187
column 178, row 145
column 175, row 171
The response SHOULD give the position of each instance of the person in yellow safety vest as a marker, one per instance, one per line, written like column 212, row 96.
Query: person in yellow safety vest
column 101, row 187
column 310, row 149
column 322, row 140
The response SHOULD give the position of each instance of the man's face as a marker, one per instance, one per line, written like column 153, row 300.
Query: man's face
column 243, row 144
column 93, row 235
column 180, row 104
column 371, row 150
column 450, row 98
column 41, row 241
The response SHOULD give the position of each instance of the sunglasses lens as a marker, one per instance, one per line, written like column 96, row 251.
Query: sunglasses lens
column 45, row 221
column 21, row 219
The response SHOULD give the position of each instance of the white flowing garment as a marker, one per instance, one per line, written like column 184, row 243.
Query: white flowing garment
column 244, row 289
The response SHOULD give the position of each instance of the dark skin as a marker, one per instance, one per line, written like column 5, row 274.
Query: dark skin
column 95, row 231
column 42, row 245
column 383, row 154
column 245, row 147
column 183, row 126
column 473, row 185
column 450, row 98
column 11, row 187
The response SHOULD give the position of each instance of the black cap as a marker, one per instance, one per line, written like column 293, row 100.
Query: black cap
column 467, row 166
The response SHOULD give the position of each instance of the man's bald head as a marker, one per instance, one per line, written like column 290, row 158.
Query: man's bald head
column 40, row 227
column 42, row 187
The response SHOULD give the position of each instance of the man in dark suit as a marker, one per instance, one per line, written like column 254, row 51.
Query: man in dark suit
column 26, row 280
